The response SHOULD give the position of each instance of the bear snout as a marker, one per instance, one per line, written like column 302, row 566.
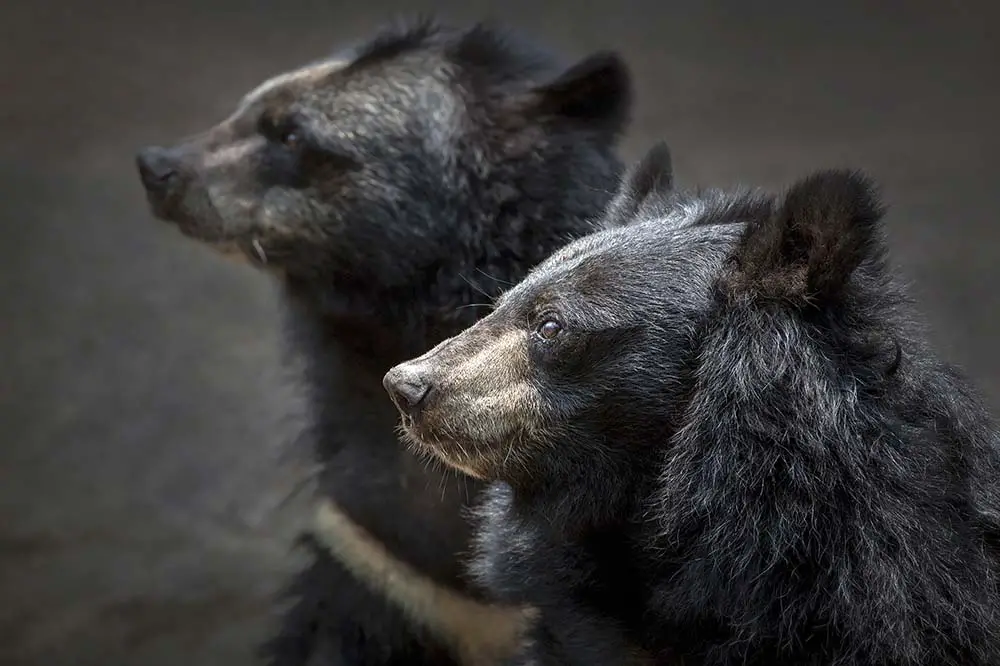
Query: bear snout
column 408, row 385
column 163, row 177
column 158, row 170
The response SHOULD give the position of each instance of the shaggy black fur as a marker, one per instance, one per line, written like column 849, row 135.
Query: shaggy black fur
column 392, row 194
column 738, row 448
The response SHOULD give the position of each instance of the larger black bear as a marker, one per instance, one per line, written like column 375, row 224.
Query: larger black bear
column 714, row 437
column 392, row 188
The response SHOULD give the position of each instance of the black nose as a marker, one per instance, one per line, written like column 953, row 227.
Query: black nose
column 407, row 386
column 157, row 169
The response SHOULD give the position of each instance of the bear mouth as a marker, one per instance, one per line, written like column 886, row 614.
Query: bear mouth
column 192, row 213
column 246, row 248
column 447, row 452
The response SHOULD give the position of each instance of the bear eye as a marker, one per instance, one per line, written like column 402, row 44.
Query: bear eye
column 549, row 329
column 284, row 131
column 289, row 138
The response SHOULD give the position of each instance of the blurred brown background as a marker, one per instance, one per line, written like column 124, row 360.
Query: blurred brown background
column 142, row 396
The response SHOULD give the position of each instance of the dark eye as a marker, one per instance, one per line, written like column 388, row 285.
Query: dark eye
column 549, row 329
column 289, row 138
column 284, row 131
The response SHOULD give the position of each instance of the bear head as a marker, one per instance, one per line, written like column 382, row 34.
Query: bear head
column 391, row 159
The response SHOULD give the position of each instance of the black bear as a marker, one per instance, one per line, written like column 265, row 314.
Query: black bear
column 391, row 188
column 713, row 436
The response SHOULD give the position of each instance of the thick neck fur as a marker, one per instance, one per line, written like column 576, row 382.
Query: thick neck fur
column 832, row 439
column 589, row 488
column 588, row 504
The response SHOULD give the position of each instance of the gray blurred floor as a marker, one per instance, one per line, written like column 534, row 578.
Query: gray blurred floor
column 142, row 399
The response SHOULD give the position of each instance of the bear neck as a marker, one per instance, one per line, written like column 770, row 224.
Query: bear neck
column 376, row 324
column 587, row 498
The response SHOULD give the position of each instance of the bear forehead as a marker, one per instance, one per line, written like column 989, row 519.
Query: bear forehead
column 288, row 85
column 653, row 244
column 620, row 269
column 420, row 48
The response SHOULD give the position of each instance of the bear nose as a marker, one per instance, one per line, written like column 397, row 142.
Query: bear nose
column 408, row 387
column 157, row 169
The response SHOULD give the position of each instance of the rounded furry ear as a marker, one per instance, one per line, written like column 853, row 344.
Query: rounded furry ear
column 596, row 90
column 817, row 236
column 653, row 173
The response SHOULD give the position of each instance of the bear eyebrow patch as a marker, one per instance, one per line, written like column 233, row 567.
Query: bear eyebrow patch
column 285, row 87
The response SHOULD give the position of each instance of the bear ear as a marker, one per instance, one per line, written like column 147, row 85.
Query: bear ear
column 809, row 247
column 653, row 173
column 596, row 90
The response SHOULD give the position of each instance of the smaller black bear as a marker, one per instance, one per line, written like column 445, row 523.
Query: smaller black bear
column 715, row 437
